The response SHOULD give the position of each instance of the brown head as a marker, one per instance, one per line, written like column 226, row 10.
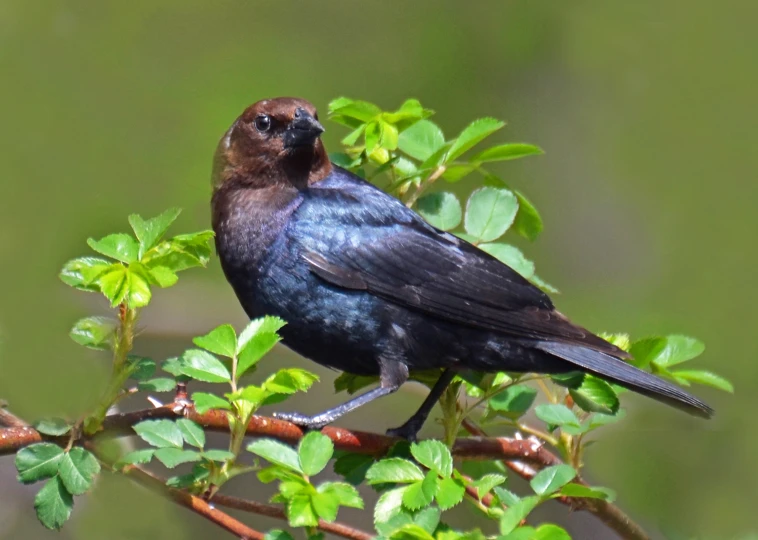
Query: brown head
column 275, row 142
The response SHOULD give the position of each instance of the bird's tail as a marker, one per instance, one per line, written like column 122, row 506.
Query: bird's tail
column 619, row 372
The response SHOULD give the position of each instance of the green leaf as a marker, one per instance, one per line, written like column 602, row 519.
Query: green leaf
column 221, row 340
column 77, row 469
column 353, row 467
column 487, row 482
column 193, row 434
column 411, row 531
column 441, row 210
column 53, row 426
column 458, row 171
column 82, row 272
column 300, row 512
column 372, row 135
column 557, row 415
column 433, row 455
column 203, row 366
column 528, row 222
column 181, row 252
column 160, row 433
column 159, row 384
column 218, row 455
column 595, row 395
column 137, row 457
column 53, row 504
column 505, row 152
column 551, row 532
column 276, row 453
column 204, row 402
column 551, row 479
column 114, row 283
column 325, row 505
column 171, row 457
column 449, row 493
column 707, row 378
column 278, row 534
column 514, row 399
column 257, row 339
column 94, row 332
column 506, row 497
column 516, row 513
column 352, row 383
column 346, row 494
column 290, row 380
column 192, row 480
column 421, row 140
column 162, row 276
column 150, row 231
column 665, row 352
column 598, row 420
column 121, row 247
column 343, row 160
column 521, row 533
column 360, row 110
column 587, row 492
column 512, row 256
column 38, row 461
column 393, row 470
column 351, row 138
column 314, row 453
column 138, row 294
column 421, row 493
column 428, row 519
column 471, row 135
column 489, row 213
column 140, row 368
column 389, row 136
column 389, row 504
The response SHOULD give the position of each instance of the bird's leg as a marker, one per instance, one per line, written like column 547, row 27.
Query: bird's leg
column 392, row 376
column 410, row 429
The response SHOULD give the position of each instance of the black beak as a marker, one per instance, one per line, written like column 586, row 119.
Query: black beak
column 303, row 130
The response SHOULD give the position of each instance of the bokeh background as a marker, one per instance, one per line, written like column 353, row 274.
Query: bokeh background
column 648, row 188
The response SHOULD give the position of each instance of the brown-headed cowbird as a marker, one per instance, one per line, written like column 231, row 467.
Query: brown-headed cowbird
column 368, row 287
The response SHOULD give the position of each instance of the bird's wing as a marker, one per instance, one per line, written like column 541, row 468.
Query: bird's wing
column 384, row 249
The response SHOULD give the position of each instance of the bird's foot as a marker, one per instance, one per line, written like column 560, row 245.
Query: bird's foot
column 305, row 422
column 408, row 431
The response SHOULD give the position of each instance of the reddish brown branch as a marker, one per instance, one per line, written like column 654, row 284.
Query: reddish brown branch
column 606, row 512
column 269, row 510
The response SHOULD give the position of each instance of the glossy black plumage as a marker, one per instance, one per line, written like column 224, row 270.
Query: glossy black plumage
column 368, row 287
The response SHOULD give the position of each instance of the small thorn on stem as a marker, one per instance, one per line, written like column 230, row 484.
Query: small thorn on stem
column 154, row 402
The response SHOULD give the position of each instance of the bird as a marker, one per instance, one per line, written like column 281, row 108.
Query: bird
column 368, row 287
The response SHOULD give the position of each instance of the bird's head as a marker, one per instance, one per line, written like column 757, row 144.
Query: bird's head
column 274, row 141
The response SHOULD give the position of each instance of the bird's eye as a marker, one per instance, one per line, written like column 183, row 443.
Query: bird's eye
column 262, row 122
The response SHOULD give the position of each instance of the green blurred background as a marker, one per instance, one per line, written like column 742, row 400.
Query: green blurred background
column 646, row 111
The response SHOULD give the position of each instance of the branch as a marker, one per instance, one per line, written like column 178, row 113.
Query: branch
column 606, row 512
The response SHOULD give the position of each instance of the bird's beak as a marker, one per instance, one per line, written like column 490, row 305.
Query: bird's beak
column 303, row 130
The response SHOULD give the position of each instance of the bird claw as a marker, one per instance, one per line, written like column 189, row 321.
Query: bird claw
column 408, row 431
column 306, row 422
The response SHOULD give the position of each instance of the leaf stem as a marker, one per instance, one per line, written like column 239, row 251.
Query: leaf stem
column 436, row 173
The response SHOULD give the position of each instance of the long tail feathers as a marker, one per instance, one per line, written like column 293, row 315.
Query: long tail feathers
column 619, row 372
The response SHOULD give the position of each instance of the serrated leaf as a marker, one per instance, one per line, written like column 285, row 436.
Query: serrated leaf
column 433, row 455
column 158, row 384
column 516, row 513
column 411, row 531
column 421, row 493
column 442, row 210
column 94, row 332
column 557, row 415
column 449, row 493
column 150, row 231
column 512, row 256
column 38, row 461
column 352, row 383
column 53, row 504
column 551, row 479
column 353, row 108
column 218, row 455
column 595, row 395
column 421, row 140
column 579, row 490
column 471, row 135
column 203, row 366
column 300, row 512
column 314, row 453
column 83, row 272
column 486, row 483
column 257, row 339
column 528, row 222
column 393, row 470
column 598, row 420
column 505, row 152
column 390, row 503
column 137, row 457
column 458, row 171
column 160, row 433
column 121, row 247
column 325, row 505
column 171, row 457
column 489, row 213
column 353, row 467
column 114, row 283
column 193, row 434
column 278, row 534
column 221, row 340
column 665, row 352
column 549, row 531
column 77, row 469
column 521, row 533
column 138, row 294
column 53, row 426
column 277, row 453
column 505, row 496
column 290, row 380
column 204, row 402
column 181, row 252
column 707, row 378
column 346, row 494
column 140, row 368
column 514, row 399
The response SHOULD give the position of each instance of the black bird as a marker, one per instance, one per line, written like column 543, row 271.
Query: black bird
column 368, row 287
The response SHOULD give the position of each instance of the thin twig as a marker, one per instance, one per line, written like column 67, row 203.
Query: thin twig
column 338, row 529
